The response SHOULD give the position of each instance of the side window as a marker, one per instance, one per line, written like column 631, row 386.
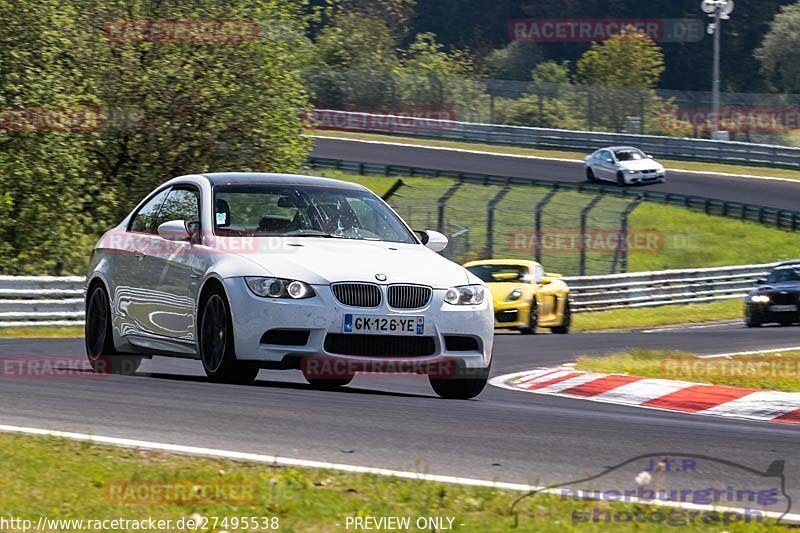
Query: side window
column 145, row 218
column 181, row 204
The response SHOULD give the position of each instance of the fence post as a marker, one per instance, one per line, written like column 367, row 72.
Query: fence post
column 622, row 244
column 392, row 190
column 584, row 215
column 538, row 215
column 490, row 207
column 442, row 202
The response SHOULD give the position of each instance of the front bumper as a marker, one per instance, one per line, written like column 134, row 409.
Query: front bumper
column 514, row 314
column 761, row 313
column 322, row 315
column 645, row 177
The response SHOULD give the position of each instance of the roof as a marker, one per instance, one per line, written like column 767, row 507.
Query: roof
column 264, row 178
column 615, row 148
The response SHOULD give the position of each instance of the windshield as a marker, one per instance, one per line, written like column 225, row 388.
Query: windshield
column 500, row 273
column 629, row 155
column 283, row 211
column 782, row 275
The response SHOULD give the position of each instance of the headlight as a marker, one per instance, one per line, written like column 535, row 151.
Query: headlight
column 280, row 288
column 465, row 295
column 629, row 171
column 516, row 294
column 759, row 298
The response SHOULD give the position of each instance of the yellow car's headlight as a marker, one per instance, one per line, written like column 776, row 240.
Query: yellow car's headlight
column 514, row 295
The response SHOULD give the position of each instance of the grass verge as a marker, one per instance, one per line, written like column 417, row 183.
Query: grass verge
column 657, row 316
column 538, row 152
column 45, row 332
column 682, row 238
column 771, row 371
column 62, row 479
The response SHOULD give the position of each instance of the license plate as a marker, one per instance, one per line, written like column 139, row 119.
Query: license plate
column 782, row 308
column 384, row 325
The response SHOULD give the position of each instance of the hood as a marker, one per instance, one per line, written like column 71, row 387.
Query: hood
column 790, row 286
column 320, row 261
column 639, row 164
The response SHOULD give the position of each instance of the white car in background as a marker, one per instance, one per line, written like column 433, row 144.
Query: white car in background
column 624, row 165
column 247, row 271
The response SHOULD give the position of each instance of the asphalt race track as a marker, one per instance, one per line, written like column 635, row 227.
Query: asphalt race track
column 397, row 422
column 780, row 194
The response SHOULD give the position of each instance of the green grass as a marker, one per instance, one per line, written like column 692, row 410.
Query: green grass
column 42, row 332
column 684, row 238
column 768, row 371
column 657, row 316
column 62, row 479
column 538, row 152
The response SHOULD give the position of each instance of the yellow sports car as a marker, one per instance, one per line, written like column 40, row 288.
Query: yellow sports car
column 525, row 297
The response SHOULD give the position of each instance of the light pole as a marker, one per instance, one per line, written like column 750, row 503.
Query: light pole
column 719, row 10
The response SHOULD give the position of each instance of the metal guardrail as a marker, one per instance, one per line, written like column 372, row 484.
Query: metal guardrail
column 665, row 287
column 780, row 218
column 705, row 150
column 58, row 301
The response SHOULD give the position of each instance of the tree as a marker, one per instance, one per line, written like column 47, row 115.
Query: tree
column 45, row 176
column 629, row 59
column 779, row 53
column 200, row 106
column 514, row 62
column 619, row 75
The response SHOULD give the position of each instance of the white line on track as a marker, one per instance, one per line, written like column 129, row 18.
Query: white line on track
column 286, row 461
column 684, row 327
column 543, row 158
column 751, row 352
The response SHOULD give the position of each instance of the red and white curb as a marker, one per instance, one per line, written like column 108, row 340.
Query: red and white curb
column 663, row 394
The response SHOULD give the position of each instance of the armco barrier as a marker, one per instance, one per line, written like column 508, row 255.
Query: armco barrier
column 780, row 218
column 58, row 301
column 582, row 141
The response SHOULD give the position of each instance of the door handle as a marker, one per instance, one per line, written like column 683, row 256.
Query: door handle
column 139, row 257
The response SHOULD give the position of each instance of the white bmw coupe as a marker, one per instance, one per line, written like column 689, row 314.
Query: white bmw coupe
column 246, row 271
column 624, row 165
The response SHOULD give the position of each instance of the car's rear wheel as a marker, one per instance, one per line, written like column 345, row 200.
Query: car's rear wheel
column 590, row 175
column 563, row 329
column 98, row 337
column 216, row 346
column 465, row 384
column 620, row 179
column 533, row 319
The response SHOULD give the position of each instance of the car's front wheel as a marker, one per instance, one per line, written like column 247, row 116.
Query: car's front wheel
column 750, row 321
column 216, row 345
column 590, row 177
column 98, row 338
column 533, row 319
column 566, row 322
column 463, row 385
column 621, row 179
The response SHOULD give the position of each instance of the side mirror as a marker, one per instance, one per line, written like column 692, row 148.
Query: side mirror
column 761, row 281
column 174, row 230
column 609, row 160
column 545, row 280
column 433, row 240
